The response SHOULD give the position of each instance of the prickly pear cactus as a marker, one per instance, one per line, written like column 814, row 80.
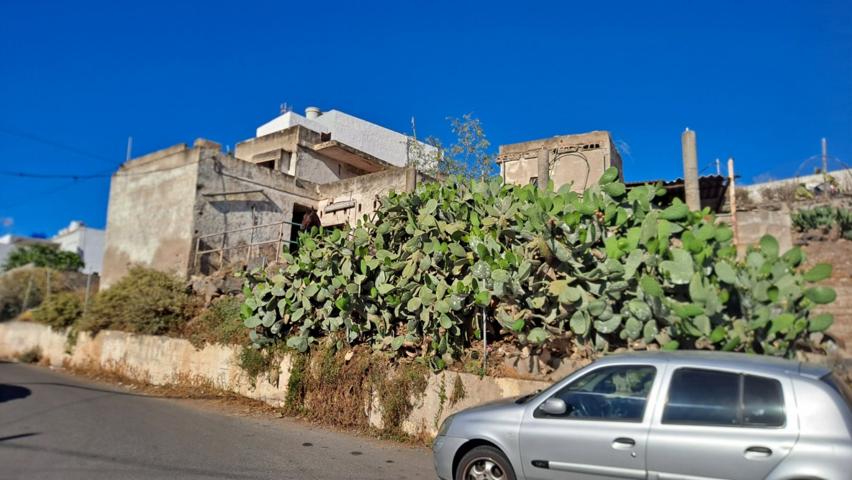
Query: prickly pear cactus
column 606, row 269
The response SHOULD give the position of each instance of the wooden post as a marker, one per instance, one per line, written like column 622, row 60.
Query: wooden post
column 732, row 196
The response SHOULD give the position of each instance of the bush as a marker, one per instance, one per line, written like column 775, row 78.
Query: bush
column 143, row 301
column 220, row 323
column 60, row 310
column 25, row 288
column 605, row 270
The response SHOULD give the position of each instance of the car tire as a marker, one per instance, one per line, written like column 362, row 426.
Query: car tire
column 485, row 463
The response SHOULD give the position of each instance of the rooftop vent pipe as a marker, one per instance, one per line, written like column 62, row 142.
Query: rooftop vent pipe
column 312, row 113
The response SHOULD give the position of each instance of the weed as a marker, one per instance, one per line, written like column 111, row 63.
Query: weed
column 459, row 392
column 32, row 355
column 220, row 323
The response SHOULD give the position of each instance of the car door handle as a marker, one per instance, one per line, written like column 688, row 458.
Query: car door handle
column 755, row 453
column 623, row 443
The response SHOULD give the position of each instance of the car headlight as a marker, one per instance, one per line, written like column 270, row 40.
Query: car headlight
column 445, row 427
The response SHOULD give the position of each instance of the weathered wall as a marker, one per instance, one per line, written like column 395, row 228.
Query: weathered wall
column 753, row 224
column 233, row 194
column 757, row 191
column 582, row 169
column 317, row 168
column 292, row 151
column 149, row 218
column 365, row 191
column 163, row 360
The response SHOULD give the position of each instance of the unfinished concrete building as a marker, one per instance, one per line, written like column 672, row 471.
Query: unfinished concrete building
column 196, row 209
column 578, row 160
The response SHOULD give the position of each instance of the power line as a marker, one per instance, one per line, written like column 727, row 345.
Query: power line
column 54, row 176
column 55, row 144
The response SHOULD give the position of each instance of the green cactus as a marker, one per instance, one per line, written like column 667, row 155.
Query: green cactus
column 607, row 269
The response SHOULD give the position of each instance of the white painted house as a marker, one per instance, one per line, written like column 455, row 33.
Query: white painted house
column 85, row 241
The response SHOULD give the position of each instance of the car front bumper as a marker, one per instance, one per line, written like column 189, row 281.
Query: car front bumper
column 444, row 449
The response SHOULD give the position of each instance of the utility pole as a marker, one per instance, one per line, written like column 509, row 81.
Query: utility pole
column 718, row 168
column 690, row 170
column 129, row 149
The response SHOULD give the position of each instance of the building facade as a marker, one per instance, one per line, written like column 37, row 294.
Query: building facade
column 197, row 209
column 579, row 160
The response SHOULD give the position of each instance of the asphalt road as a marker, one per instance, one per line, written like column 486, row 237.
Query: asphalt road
column 54, row 426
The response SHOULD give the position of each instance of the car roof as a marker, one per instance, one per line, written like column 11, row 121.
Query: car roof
column 710, row 359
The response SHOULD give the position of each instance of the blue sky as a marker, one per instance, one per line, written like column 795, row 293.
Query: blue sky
column 761, row 81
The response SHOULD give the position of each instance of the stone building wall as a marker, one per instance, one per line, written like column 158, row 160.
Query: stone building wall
column 150, row 215
column 362, row 194
column 595, row 153
column 248, row 202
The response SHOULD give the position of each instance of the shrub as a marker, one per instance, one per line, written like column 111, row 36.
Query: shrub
column 59, row 310
column 25, row 288
column 219, row 323
column 605, row 270
column 143, row 301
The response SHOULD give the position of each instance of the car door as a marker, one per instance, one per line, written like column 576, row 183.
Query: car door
column 603, row 433
column 718, row 424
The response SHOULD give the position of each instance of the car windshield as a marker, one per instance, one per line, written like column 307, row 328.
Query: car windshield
column 840, row 387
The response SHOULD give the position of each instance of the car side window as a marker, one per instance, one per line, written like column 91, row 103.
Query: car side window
column 716, row 398
column 763, row 402
column 617, row 393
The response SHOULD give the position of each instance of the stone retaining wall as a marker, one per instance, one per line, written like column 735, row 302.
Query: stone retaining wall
column 165, row 360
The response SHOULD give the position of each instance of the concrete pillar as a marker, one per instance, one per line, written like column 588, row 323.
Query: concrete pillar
column 690, row 170
column 543, row 168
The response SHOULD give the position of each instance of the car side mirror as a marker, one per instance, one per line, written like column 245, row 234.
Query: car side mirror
column 554, row 406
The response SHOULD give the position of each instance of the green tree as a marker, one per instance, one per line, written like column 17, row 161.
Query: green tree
column 43, row 255
column 467, row 156
column 469, row 153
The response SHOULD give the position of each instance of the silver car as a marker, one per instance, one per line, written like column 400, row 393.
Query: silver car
column 661, row 416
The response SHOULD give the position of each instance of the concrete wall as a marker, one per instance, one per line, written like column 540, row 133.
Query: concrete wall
column 753, row 224
column 365, row 192
column 163, row 360
column 233, row 194
column 317, row 168
column 756, row 191
column 519, row 162
column 150, row 213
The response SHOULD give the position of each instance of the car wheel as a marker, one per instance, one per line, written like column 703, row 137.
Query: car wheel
column 484, row 463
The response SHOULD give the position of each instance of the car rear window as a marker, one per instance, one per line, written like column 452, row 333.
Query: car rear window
column 840, row 387
column 703, row 397
column 712, row 397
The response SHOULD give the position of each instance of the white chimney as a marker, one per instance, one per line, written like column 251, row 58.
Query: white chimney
column 312, row 113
